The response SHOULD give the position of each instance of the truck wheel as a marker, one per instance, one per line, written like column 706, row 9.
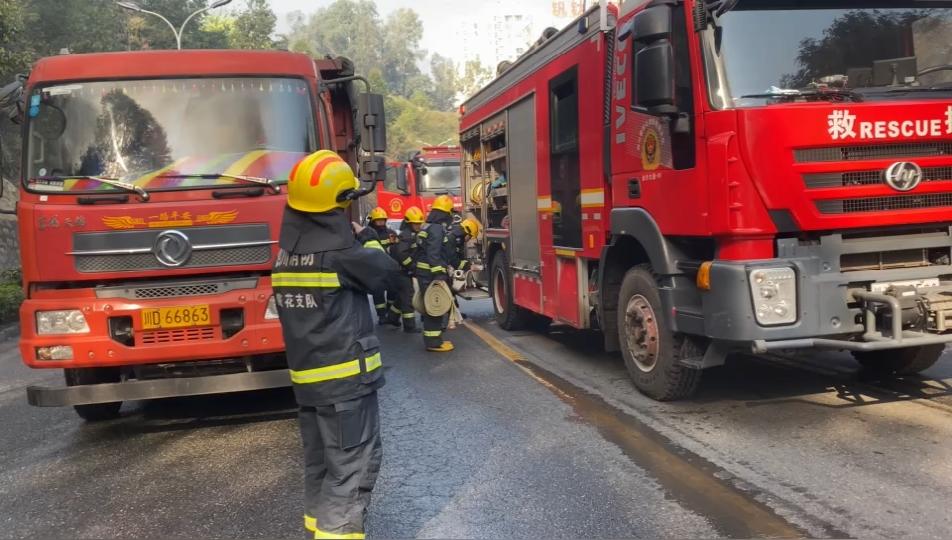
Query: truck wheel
column 97, row 411
column 908, row 361
column 508, row 314
column 651, row 351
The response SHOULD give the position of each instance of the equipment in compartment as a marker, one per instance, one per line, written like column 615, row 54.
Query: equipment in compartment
column 486, row 171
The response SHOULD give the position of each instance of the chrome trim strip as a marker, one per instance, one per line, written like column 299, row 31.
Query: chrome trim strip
column 203, row 247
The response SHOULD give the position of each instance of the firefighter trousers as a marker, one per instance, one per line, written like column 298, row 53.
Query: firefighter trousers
column 404, row 303
column 342, row 455
column 385, row 303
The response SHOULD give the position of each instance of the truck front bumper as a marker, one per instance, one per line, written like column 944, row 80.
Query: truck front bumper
column 50, row 396
column 835, row 308
column 101, row 347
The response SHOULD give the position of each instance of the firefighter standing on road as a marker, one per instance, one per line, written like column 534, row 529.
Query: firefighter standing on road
column 404, row 252
column 384, row 302
column 436, row 257
column 321, row 280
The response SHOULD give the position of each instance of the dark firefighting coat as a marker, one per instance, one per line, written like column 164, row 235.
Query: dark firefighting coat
column 321, row 280
column 404, row 249
column 437, row 255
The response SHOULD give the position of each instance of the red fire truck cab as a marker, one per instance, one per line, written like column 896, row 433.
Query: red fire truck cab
column 433, row 171
column 150, row 204
column 699, row 177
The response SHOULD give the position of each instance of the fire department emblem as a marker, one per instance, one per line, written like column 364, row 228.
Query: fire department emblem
column 396, row 205
column 650, row 148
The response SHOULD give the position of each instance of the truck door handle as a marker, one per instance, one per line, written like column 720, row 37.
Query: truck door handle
column 634, row 188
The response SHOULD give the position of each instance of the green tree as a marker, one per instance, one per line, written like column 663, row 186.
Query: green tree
column 253, row 26
column 411, row 126
column 350, row 28
column 475, row 76
column 402, row 33
column 445, row 82
column 14, row 56
column 77, row 25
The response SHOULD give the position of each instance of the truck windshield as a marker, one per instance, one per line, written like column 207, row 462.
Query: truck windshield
column 765, row 52
column 440, row 177
column 166, row 134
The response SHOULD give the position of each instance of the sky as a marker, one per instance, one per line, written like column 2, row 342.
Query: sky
column 441, row 19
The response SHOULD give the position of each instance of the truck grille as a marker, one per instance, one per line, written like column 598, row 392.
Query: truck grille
column 130, row 251
column 880, row 151
column 866, row 178
column 147, row 261
column 883, row 204
column 157, row 337
column 175, row 289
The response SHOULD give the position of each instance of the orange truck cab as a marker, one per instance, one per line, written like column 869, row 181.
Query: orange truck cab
column 150, row 204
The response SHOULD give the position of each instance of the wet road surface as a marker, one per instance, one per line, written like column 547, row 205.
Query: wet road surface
column 512, row 435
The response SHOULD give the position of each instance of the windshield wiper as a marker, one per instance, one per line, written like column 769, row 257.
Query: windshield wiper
column 834, row 94
column 275, row 188
column 114, row 182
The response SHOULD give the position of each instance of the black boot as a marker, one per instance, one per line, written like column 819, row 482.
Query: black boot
column 409, row 325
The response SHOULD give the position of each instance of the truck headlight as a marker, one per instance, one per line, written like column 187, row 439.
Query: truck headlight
column 70, row 321
column 271, row 312
column 774, row 291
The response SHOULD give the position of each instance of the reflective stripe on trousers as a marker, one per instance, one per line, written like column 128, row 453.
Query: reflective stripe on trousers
column 336, row 371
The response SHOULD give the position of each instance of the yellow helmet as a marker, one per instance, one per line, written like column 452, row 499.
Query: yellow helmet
column 377, row 213
column 414, row 215
column 444, row 203
column 471, row 227
column 318, row 180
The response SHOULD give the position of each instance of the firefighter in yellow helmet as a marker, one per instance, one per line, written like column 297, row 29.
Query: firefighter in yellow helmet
column 404, row 252
column 384, row 303
column 321, row 279
column 436, row 258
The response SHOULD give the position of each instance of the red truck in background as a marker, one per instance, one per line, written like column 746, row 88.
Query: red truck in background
column 433, row 171
column 150, row 204
column 698, row 177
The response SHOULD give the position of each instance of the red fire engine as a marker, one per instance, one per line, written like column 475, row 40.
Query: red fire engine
column 151, row 200
column 432, row 172
column 699, row 177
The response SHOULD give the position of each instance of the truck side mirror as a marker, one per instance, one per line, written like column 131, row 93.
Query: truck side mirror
column 653, row 24
column 654, row 71
column 372, row 123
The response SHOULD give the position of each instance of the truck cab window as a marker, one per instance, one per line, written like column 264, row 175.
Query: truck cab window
column 564, row 160
column 390, row 177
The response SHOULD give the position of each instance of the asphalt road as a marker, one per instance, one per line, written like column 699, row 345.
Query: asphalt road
column 511, row 435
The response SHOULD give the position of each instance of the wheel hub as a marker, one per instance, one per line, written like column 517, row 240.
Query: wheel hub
column 499, row 291
column 641, row 329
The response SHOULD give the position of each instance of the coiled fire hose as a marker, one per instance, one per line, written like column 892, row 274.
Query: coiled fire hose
column 436, row 301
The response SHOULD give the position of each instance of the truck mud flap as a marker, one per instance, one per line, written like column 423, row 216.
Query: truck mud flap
column 50, row 396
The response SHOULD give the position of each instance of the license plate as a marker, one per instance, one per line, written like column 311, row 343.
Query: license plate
column 176, row 317
column 917, row 283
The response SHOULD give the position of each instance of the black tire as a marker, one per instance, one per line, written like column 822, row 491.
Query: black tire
column 95, row 412
column 508, row 315
column 908, row 361
column 653, row 356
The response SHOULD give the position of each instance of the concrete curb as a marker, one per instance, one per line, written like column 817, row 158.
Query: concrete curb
column 9, row 331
